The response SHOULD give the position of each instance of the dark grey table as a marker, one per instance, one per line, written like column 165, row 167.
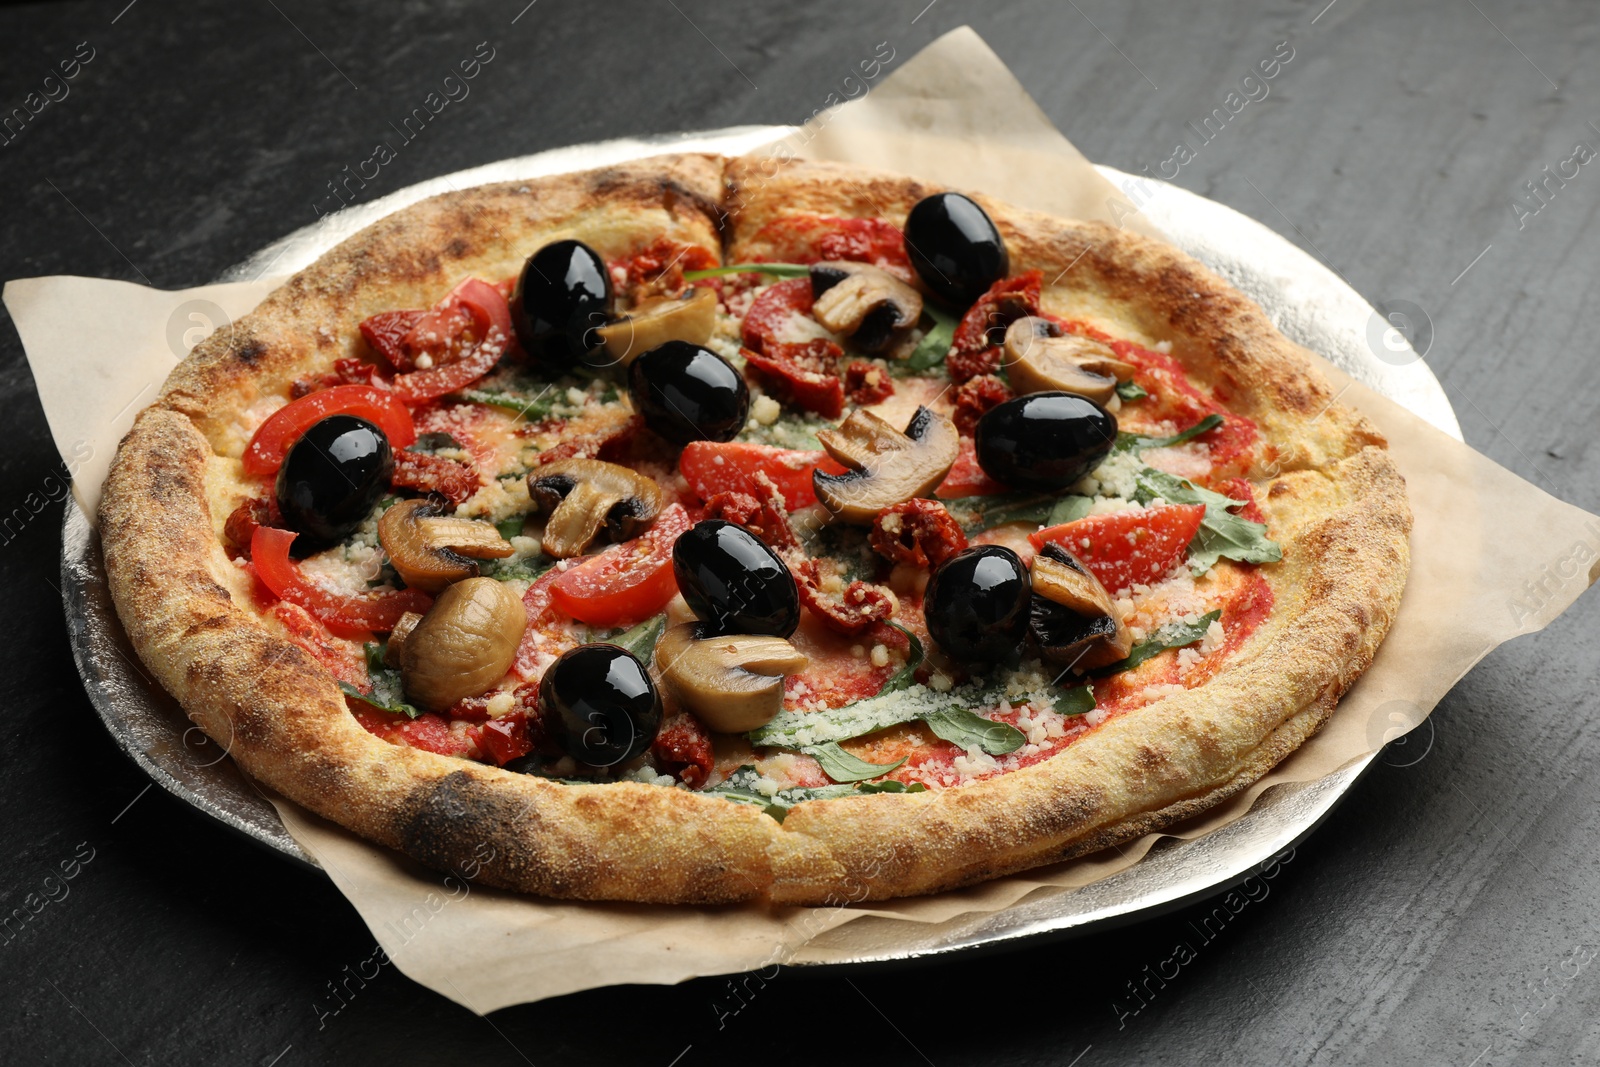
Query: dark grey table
column 1445, row 913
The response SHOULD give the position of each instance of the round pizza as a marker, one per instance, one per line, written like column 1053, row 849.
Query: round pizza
column 696, row 530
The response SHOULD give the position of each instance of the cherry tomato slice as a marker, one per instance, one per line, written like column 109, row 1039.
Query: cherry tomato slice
column 269, row 552
column 627, row 583
column 713, row 467
column 490, row 315
column 1130, row 547
column 272, row 440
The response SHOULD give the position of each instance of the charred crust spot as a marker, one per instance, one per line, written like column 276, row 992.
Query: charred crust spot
column 459, row 248
column 215, row 622
column 251, row 353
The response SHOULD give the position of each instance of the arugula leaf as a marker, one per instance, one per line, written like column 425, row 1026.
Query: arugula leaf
column 964, row 729
column 777, row 270
column 429, row 443
column 531, row 408
column 1131, row 390
column 836, row 724
column 1127, row 442
column 386, row 694
column 1222, row 534
column 740, row 787
column 512, row 527
column 1077, row 701
column 976, row 513
column 906, row 675
column 641, row 639
column 1069, row 509
column 528, row 569
column 890, row 785
column 1175, row 634
column 934, row 346
column 841, row 766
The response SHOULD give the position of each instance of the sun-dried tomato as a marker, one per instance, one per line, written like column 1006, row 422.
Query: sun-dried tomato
column 801, row 376
column 767, row 519
column 658, row 269
column 974, row 397
column 451, row 479
column 867, row 383
column 682, row 748
column 611, row 443
column 976, row 349
column 242, row 523
column 920, row 532
column 851, row 611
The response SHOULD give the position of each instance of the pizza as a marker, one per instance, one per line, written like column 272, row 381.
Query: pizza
column 697, row 531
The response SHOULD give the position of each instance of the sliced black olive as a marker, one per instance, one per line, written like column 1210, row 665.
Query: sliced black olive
column 1044, row 441
column 977, row 604
column 562, row 299
column 331, row 479
column 734, row 582
column 599, row 705
column 955, row 247
column 689, row 393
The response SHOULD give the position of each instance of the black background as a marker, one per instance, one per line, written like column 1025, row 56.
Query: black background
column 1444, row 914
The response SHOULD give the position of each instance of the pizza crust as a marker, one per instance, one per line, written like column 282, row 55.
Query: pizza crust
column 1334, row 501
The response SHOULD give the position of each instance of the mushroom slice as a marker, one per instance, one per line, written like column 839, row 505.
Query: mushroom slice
column 1041, row 357
column 733, row 683
column 463, row 645
column 397, row 638
column 866, row 303
column 1074, row 619
column 579, row 495
column 690, row 317
column 886, row 466
column 430, row 550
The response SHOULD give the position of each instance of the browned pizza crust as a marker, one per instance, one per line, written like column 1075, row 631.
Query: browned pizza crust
column 1333, row 499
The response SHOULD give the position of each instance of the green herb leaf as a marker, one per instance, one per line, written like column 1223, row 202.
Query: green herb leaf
column 906, row 675
column 512, row 527
column 529, row 569
column 1069, row 509
column 387, row 694
column 964, row 729
column 740, row 787
column 1222, row 534
column 855, row 719
column 1131, row 390
column 1127, row 442
column 641, row 639
column 1075, row 701
column 531, row 407
column 890, row 785
column 935, row 344
column 777, row 270
column 1171, row 635
column 976, row 513
column 841, row 766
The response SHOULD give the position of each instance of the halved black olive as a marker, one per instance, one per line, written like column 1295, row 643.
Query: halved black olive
column 955, row 247
column 1044, row 441
column 977, row 604
column 734, row 582
column 563, row 297
column 599, row 705
column 331, row 478
column 689, row 393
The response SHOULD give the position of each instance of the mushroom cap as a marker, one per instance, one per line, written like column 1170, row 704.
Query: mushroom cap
column 886, row 465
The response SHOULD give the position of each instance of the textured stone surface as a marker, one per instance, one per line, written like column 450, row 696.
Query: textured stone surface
column 1444, row 914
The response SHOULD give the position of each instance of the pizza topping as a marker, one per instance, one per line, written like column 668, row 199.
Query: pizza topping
column 733, row 682
column 562, row 299
column 599, row 705
column 273, row 438
column 430, row 550
column 691, row 317
column 867, row 382
column 885, row 466
column 869, row 305
column 331, row 479
column 711, row 468
column 920, row 532
column 269, row 556
column 245, row 519
column 977, row 605
column 765, row 519
column 803, row 375
column 735, row 583
column 1044, row 441
column 387, row 332
column 629, row 582
column 975, row 346
column 683, row 748
column 1040, row 357
column 1135, row 547
column 851, row 609
column 1073, row 618
column 955, row 247
column 464, row 644
column 450, row 478
column 689, row 393
column 975, row 398
column 458, row 341
column 579, row 495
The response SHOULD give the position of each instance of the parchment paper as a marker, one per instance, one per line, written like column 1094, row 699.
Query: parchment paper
column 99, row 349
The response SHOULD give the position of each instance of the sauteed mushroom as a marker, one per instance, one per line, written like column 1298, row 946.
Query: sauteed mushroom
column 1074, row 619
column 430, row 550
column 463, row 645
column 690, row 317
column 886, row 466
column 579, row 495
column 864, row 302
column 1040, row 357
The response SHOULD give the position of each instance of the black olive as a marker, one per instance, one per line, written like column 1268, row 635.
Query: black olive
column 977, row 604
column 1044, row 441
column 562, row 299
column 688, row 393
column 955, row 247
column 733, row 581
column 599, row 705
column 331, row 478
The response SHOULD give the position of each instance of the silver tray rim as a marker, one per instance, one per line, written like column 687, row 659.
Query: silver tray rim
column 1310, row 303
